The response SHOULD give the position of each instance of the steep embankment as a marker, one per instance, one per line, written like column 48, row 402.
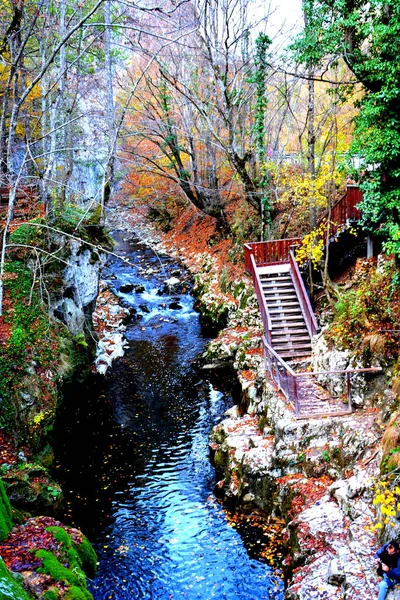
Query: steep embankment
column 45, row 334
column 317, row 474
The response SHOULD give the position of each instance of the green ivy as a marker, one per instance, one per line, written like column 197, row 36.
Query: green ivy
column 260, row 79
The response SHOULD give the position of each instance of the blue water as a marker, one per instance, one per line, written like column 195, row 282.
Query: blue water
column 133, row 456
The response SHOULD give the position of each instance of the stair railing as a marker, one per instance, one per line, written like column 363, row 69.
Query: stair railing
column 343, row 210
column 305, row 304
column 265, row 316
column 289, row 382
column 271, row 252
column 347, row 396
column 282, row 374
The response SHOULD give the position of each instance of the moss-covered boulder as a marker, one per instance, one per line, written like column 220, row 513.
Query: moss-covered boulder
column 10, row 587
column 52, row 561
column 30, row 488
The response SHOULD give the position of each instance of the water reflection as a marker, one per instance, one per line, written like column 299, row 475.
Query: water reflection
column 133, row 450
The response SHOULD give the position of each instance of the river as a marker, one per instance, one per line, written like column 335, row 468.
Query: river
column 132, row 455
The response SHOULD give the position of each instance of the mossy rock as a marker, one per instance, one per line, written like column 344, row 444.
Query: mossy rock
column 75, row 593
column 220, row 461
column 29, row 487
column 391, row 445
column 5, row 513
column 88, row 557
column 77, row 561
column 51, row 594
column 10, row 587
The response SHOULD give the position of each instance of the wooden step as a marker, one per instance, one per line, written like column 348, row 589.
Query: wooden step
column 277, row 284
column 291, row 326
column 270, row 291
column 293, row 351
column 287, row 318
column 286, row 303
column 300, row 342
column 279, row 297
column 276, row 275
column 295, row 354
column 277, row 310
column 295, row 333
column 289, row 346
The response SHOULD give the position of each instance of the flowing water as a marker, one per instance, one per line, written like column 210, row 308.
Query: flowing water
column 133, row 456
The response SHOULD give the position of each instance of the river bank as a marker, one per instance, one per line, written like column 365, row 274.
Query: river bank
column 316, row 475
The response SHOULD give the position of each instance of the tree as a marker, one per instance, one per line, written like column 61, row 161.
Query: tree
column 208, row 78
column 366, row 36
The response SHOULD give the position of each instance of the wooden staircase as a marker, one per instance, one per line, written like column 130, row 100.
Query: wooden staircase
column 290, row 337
column 289, row 321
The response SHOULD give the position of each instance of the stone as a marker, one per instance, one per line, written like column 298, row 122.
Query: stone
column 171, row 285
column 80, row 287
column 126, row 288
column 335, row 575
column 175, row 306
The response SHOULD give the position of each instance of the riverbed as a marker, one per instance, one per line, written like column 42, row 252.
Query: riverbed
column 133, row 458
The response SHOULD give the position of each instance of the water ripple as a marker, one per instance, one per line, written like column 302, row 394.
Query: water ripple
column 144, row 472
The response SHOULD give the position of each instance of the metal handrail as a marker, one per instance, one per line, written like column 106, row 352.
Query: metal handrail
column 348, row 372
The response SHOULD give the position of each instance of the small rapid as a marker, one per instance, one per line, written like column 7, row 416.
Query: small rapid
column 132, row 454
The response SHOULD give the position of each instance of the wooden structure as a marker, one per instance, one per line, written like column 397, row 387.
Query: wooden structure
column 27, row 202
column 289, row 320
column 344, row 211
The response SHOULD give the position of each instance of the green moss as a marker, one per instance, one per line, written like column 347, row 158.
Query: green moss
column 61, row 535
column 33, row 340
column 87, row 557
column 81, row 559
column 51, row 594
column 52, row 566
column 75, row 593
column 5, row 513
column 10, row 588
column 30, row 340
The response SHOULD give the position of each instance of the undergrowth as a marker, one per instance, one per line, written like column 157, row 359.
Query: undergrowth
column 366, row 317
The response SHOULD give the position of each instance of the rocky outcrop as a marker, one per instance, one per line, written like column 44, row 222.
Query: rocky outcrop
column 325, row 357
column 77, row 293
column 30, row 488
column 316, row 474
column 47, row 560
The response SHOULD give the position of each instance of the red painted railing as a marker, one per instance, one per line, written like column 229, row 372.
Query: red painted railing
column 344, row 210
column 272, row 252
column 256, row 257
column 282, row 374
column 289, row 382
column 302, row 296
column 262, row 303
column 27, row 200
